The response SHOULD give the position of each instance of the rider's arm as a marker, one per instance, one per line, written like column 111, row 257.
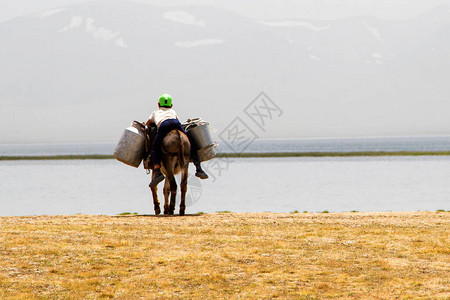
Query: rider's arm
column 151, row 119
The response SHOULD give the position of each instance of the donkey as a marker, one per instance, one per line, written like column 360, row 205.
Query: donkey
column 175, row 150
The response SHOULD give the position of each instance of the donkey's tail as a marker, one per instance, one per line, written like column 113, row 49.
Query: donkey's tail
column 181, row 151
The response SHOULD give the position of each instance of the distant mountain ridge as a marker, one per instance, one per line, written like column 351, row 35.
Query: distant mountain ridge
column 92, row 68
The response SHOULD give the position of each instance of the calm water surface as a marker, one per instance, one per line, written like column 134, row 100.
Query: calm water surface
column 426, row 143
column 240, row 185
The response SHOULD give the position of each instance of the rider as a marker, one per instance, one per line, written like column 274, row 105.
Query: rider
column 166, row 120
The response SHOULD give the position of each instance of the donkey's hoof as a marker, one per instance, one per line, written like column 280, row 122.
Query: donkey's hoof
column 182, row 210
column 166, row 212
column 157, row 211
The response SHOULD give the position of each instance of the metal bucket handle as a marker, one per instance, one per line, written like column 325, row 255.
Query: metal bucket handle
column 138, row 125
column 191, row 123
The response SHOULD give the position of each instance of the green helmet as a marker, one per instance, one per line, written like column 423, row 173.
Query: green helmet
column 165, row 100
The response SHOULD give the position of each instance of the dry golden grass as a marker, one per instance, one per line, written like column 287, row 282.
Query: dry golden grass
column 263, row 255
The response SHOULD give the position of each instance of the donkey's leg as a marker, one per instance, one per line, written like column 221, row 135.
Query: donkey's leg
column 169, row 163
column 166, row 196
column 183, row 188
column 155, row 199
column 173, row 192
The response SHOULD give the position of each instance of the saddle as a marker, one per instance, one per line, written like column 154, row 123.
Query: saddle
column 150, row 133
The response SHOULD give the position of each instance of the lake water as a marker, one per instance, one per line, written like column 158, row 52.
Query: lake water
column 239, row 185
column 426, row 143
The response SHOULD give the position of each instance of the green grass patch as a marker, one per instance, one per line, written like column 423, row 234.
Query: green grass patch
column 57, row 157
column 335, row 154
column 244, row 155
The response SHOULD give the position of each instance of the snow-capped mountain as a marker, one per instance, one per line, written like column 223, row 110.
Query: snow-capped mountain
column 88, row 70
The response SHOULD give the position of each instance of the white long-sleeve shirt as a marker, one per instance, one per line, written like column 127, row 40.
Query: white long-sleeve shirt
column 162, row 114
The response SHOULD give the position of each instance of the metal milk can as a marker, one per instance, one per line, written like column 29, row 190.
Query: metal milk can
column 131, row 147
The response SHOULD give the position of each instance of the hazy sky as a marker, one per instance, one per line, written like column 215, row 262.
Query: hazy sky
column 385, row 105
column 261, row 9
